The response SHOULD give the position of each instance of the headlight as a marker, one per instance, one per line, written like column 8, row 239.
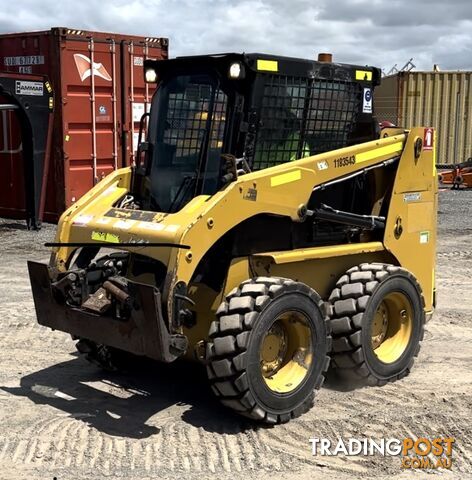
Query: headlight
column 235, row 70
column 150, row 75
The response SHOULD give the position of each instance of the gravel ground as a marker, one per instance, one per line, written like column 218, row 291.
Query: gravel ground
column 61, row 417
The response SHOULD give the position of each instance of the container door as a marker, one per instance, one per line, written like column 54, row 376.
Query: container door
column 12, row 191
column 90, row 82
column 19, row 54
column 136, row 93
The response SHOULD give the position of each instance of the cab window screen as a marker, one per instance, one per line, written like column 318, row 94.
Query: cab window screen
column 187, row 115
column 332, row 114
column 281, row 116
column 190, row 131
column 300, row 117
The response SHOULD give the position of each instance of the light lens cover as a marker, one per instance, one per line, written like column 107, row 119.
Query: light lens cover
column 235, row 70
column 150, row 75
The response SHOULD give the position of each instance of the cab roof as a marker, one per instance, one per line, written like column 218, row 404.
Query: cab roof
column 266, row 63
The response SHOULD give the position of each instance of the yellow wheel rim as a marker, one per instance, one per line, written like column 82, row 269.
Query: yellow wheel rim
column 392, row 326
column 286, row 352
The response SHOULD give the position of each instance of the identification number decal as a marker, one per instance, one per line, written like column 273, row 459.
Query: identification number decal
column 344, row 161
column 23, row 60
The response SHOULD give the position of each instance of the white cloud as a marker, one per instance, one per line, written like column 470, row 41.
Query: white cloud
column 375, row 32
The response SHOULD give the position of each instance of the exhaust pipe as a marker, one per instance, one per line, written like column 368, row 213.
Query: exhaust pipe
column 325, row 57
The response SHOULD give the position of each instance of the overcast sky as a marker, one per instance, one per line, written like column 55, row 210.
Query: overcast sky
column 375, row 32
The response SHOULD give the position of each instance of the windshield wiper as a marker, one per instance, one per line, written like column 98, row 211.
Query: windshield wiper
column 187, row 182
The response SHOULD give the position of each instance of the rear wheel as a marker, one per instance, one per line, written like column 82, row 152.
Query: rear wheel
column 377, row 322
column 268, row 349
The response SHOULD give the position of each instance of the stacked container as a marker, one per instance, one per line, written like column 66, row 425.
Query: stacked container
column 100, row 95
column 442, row 100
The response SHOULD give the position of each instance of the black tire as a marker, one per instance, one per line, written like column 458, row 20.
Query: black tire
column 355, row 302
column 236, row 337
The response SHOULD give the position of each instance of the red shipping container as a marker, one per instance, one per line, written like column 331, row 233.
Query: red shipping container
column 99, row 95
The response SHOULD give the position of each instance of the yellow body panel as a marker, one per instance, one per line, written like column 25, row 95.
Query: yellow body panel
column 322, row 272
column 281, row 190
column 305, row 254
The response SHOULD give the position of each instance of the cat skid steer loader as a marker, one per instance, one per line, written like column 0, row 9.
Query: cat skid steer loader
column 266, row 230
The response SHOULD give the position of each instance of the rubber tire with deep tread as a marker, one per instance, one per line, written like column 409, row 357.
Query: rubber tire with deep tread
column 355, row 298
column 232, row 354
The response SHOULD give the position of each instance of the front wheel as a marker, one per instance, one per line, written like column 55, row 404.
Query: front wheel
column 268, row 349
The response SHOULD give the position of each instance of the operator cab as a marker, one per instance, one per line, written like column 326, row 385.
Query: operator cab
column 216, row 114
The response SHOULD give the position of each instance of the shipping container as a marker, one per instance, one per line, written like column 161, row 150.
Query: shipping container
column 99, row 96
column 442, row 100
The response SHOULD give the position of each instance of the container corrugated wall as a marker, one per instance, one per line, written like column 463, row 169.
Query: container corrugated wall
column 100, row 95
column 442, row 100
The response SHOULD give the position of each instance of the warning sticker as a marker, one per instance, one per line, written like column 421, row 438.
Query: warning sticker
column 412, row 197
column 367, row 101
column 105, row 237
column 83, row 219
column 135, row 141
column 428, row 139
column 29, row 88
column 424, row 237
column 138, row 111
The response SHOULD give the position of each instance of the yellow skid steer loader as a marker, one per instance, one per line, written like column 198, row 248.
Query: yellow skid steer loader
column 269, row 230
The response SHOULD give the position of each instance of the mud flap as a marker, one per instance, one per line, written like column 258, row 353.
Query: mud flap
column 144, row 333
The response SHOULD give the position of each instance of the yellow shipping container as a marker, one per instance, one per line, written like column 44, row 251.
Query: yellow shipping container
column 437, row 99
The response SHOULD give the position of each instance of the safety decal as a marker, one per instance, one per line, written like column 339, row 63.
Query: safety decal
column 130, row 214
column 428, row 139
column 367, row 101
column 424, row 237
column 151, row 226
column 124, row 224
column 412, row 197
column 83, row 219
column 105, row 237
column 250, row 194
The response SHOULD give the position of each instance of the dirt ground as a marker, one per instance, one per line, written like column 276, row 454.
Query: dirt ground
column 62, row 417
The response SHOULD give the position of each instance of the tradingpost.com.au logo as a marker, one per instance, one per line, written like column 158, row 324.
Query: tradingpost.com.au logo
column 421, row 453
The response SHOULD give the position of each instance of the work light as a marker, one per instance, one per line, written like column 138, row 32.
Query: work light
column 235, row 70
column 150, row 75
